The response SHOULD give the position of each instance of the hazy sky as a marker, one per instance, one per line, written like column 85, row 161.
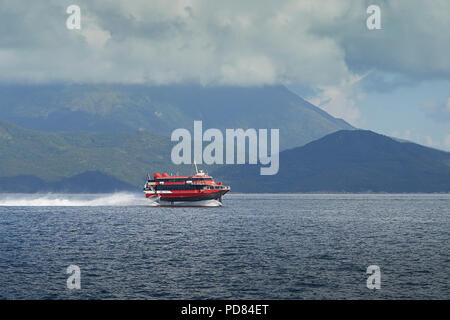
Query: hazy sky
column 394, row 81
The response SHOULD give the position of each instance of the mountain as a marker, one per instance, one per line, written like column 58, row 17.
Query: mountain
column 349, row 161
column 344, row 161
column 161, row 109
column 52, row 156
column 86, row 182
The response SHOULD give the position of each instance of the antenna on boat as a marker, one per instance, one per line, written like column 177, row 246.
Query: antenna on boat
column 196, row 169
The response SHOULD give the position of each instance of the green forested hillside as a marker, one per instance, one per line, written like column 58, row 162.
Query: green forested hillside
column 127, row 156
column 344, row 161
column 161, row 109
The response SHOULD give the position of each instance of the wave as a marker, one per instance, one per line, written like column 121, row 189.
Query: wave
column 201, row 203
column 91, row 200
column 73, row 200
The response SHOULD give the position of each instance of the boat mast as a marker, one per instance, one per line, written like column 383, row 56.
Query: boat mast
column 196, row 169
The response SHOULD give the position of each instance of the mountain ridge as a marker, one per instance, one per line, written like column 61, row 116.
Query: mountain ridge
column 349, row 161
column 52, row 156
column 161, row 109
column 86, row 182
column 344, row 161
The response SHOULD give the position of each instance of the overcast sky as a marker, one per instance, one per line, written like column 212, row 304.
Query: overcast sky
column 395, row 80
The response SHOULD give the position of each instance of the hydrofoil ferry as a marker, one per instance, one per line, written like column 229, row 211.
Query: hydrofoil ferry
column 168, row 189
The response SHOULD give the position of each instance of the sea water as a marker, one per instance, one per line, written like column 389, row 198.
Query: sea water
column 266, row 246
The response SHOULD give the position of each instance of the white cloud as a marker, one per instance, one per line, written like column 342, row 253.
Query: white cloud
column 404, row 135
column 447, row 143
column 94, row 35
column 340, row 101
column 427, row 140
column 431, row 143
column 437, row 110
column 248, row 70
column 315, row 43
column 442, row 144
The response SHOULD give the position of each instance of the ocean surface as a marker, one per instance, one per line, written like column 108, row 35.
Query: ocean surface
column 271, row 246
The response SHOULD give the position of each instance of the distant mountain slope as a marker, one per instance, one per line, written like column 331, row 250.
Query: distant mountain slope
column 87, row 182
column 349, row 161
column 160, row 110
column 344, row 161
column 126, row 156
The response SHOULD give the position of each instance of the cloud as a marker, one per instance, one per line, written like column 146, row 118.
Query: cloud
column 438, row 111
column 442, row 143
column 340, row 101
column 95, row 36
column 384, row 82
column 447, row 143
column 431, row 143
column 411, row 44
column 318, row 44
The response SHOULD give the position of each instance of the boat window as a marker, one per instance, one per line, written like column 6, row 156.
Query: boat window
column 179, row 187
